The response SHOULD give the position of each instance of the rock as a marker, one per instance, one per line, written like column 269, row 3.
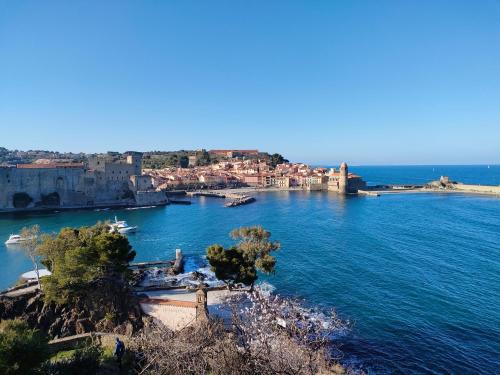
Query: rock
column 80, row 317
column 33, row 303
column 129, row 329
column 46, row 317
column 84, row 325
column 68, row 328
column 55, row 329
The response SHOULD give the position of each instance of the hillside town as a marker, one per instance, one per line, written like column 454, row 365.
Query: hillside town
column 237, row 168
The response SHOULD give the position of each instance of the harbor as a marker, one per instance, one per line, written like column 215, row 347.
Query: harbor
column 358, row 248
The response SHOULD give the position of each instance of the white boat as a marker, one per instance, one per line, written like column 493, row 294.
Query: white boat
column 121, row 227
column 31, row 275
column 14, row 239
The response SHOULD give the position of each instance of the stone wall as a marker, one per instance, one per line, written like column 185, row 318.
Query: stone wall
column 477, row 188
column 174, row 314
column 77, row 341
column 104, row 183
column 150, row 198
column 70, row 185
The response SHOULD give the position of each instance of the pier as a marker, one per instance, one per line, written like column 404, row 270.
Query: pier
column 143, row 265
column 205, row 194
column 237, row 199
column 240, row 201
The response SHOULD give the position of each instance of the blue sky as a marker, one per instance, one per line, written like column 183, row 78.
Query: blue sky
column 369, row 82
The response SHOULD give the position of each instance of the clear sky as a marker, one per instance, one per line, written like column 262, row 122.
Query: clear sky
column 369, row 82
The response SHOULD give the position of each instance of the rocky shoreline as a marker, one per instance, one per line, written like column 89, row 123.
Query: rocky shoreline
column 123, row 315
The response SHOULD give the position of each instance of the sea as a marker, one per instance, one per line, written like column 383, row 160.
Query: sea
column 417, row 275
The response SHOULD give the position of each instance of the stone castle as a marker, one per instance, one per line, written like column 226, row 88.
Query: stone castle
column 101, row 182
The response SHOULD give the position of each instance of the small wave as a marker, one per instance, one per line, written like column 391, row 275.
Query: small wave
column 266, row 288
column 193, row 275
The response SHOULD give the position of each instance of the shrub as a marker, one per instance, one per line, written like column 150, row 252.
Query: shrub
column 83, row 361
column 22, row 349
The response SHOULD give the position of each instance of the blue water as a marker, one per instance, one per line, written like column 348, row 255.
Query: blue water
column 421, row 174
column 417, row 274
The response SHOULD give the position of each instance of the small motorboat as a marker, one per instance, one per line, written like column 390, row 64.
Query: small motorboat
column 121, row 227
column 15, row 239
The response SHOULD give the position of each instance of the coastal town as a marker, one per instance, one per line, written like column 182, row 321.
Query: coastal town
column 116, row 180
column 136, row 179
column 237, row 168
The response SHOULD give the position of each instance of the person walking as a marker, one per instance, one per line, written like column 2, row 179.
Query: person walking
column 119, row 351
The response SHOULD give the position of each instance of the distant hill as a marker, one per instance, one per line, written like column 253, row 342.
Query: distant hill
column 151, row 159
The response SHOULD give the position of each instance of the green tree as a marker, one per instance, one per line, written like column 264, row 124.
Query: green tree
column 276, row 159
column 203, row 158
column 22, row 350
column 240, row 263
column 80, row 259
column 31, row 236
column 183, row 161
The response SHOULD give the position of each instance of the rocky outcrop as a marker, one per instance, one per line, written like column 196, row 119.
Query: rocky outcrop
column 67, row 320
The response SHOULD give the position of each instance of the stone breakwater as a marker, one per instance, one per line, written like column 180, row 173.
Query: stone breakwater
column 478, row 189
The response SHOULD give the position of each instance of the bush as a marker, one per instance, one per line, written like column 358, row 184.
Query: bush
column 22, row 350
column 81, row 259
column 84, row 361
column 270, row 335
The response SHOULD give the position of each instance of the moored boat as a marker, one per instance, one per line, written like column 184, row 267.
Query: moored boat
column 121, row 227
column 15, row 239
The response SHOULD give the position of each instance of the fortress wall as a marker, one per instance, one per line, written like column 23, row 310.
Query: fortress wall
column 74, row 186
column 150, row 198
column 104, row 183
column 68, row 183
column 5, row 173
column 112, row 192
column 119, row 171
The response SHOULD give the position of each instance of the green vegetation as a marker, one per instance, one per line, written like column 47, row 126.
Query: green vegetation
column 203, row 158
column 13, row 157
column 82, row 259
column 276, row 159
column 22, row 350
column 159, row 159
column 81, row 361
column 30, row 246
column 240, row 263
column 63, row 355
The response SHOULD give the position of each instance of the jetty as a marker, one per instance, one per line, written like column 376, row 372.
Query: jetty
column 177, row 264
column 240, row 201
column 210, row 194
column 236, row 199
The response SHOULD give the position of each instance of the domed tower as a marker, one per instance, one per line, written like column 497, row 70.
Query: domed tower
column 343, row 179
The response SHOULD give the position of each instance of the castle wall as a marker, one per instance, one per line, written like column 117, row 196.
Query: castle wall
column 70, row 185
column 119, row 172
column 103, row 183
column 150, row 198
